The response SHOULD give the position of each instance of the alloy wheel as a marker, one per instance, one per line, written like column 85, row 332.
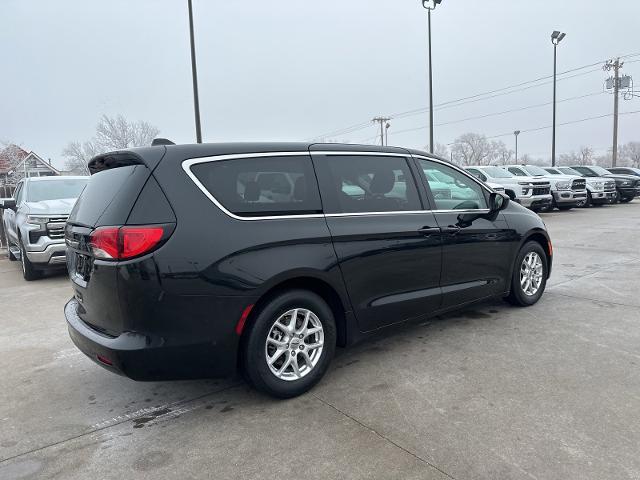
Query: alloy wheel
column 294, row 344
column 531, row 272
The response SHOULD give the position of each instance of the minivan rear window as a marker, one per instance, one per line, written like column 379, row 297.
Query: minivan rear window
column 262, row 186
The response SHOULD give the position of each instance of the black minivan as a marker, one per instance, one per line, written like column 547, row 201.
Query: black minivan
column 197, row 260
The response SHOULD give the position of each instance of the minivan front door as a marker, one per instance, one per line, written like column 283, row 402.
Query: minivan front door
column 477, row 248
column 387, row 245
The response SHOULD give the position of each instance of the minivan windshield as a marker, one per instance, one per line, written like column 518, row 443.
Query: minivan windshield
column 39, row 191
column 534, row 170
column 497, row 172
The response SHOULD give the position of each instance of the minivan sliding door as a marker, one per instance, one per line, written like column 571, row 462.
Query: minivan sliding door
column 388, row 246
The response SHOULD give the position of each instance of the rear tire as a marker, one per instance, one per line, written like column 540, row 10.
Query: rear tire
column 529, row 277
column 278, row 356
column 29, row 272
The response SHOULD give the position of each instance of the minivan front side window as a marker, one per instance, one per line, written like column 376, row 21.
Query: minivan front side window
column 451, row 189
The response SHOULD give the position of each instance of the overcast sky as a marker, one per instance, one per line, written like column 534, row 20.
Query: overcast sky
column 294, row 69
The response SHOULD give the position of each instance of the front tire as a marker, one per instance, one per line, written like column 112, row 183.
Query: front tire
column 529, row 277
column 589, row 202
column 290, row 344
column 29, row 272
column 12, row 257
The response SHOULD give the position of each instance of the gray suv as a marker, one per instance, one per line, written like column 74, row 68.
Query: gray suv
column 34, row 221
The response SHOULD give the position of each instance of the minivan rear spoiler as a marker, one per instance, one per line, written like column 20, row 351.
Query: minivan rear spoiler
column 113, row 160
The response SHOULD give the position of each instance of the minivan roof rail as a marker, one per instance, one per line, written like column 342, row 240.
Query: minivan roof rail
column 161, row 141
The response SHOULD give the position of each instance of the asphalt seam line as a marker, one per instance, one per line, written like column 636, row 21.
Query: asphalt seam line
column 387, row 439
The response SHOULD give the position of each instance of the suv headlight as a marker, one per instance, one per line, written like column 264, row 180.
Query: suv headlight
column 35, row 220
column 625, row 183
column 563, row 185
column 598, row 185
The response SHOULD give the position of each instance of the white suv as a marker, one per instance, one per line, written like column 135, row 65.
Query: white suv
column 568, row 190
column 532, row 193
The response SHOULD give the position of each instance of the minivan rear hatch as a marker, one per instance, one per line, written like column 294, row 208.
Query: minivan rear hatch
column 121, row 192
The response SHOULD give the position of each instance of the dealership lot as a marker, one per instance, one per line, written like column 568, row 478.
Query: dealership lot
column 552, row 391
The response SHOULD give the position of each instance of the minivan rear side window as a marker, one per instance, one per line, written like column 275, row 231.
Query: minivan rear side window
column 367, row 183
column 262, row 186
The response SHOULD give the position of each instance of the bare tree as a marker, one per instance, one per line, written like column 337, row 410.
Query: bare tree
column 112, row 133
column 11, row 155
column 584, row 156
column 472, row 149
column 502, row 155
column 440, row 150
column 630, row 154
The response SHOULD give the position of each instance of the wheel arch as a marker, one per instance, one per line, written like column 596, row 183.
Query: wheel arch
column 319, row 286
column 541, row 237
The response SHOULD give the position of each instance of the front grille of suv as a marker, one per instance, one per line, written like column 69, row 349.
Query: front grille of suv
column 541, row 191
column 579, row 185
column 541, row 188
column 55, row 227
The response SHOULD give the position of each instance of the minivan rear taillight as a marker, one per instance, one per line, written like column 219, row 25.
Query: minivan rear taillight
column 121, row 243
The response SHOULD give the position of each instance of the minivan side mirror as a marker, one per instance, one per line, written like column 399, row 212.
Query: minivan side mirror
column 8, row 203
column 498, row 201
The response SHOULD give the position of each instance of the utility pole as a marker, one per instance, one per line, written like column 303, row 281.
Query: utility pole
column 556, row 38
column 381, row 121
column 430, row 5
column 614, row 65
column 194, row 75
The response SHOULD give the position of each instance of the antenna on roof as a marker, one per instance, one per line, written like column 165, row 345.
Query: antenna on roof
column 161, row 141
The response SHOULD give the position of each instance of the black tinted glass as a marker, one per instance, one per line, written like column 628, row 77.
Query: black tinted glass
column 262, row 186
column 358, row 184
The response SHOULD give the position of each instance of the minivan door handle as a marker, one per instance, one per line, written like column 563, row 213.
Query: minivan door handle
column 451, row 229
column 427, row 231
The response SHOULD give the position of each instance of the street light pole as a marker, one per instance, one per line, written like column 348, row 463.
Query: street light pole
column 430, row 5
column 386, row 133
column 194, row 75
column 516, row 133
column 556, row 38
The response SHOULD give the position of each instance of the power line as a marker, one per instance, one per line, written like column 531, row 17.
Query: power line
column 478, row 117
column 536, row 129
column 360, row 126
column 473, row 99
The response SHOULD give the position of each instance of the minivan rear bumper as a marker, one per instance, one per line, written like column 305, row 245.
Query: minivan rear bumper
column 145, row 357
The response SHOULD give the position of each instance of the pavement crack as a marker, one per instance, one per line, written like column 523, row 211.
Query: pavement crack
column 110, row 425
column 384, row 437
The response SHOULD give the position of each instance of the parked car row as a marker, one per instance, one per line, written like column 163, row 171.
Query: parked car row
column 564, row 188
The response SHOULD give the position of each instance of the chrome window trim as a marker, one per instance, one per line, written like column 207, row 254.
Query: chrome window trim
column 188, row 163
